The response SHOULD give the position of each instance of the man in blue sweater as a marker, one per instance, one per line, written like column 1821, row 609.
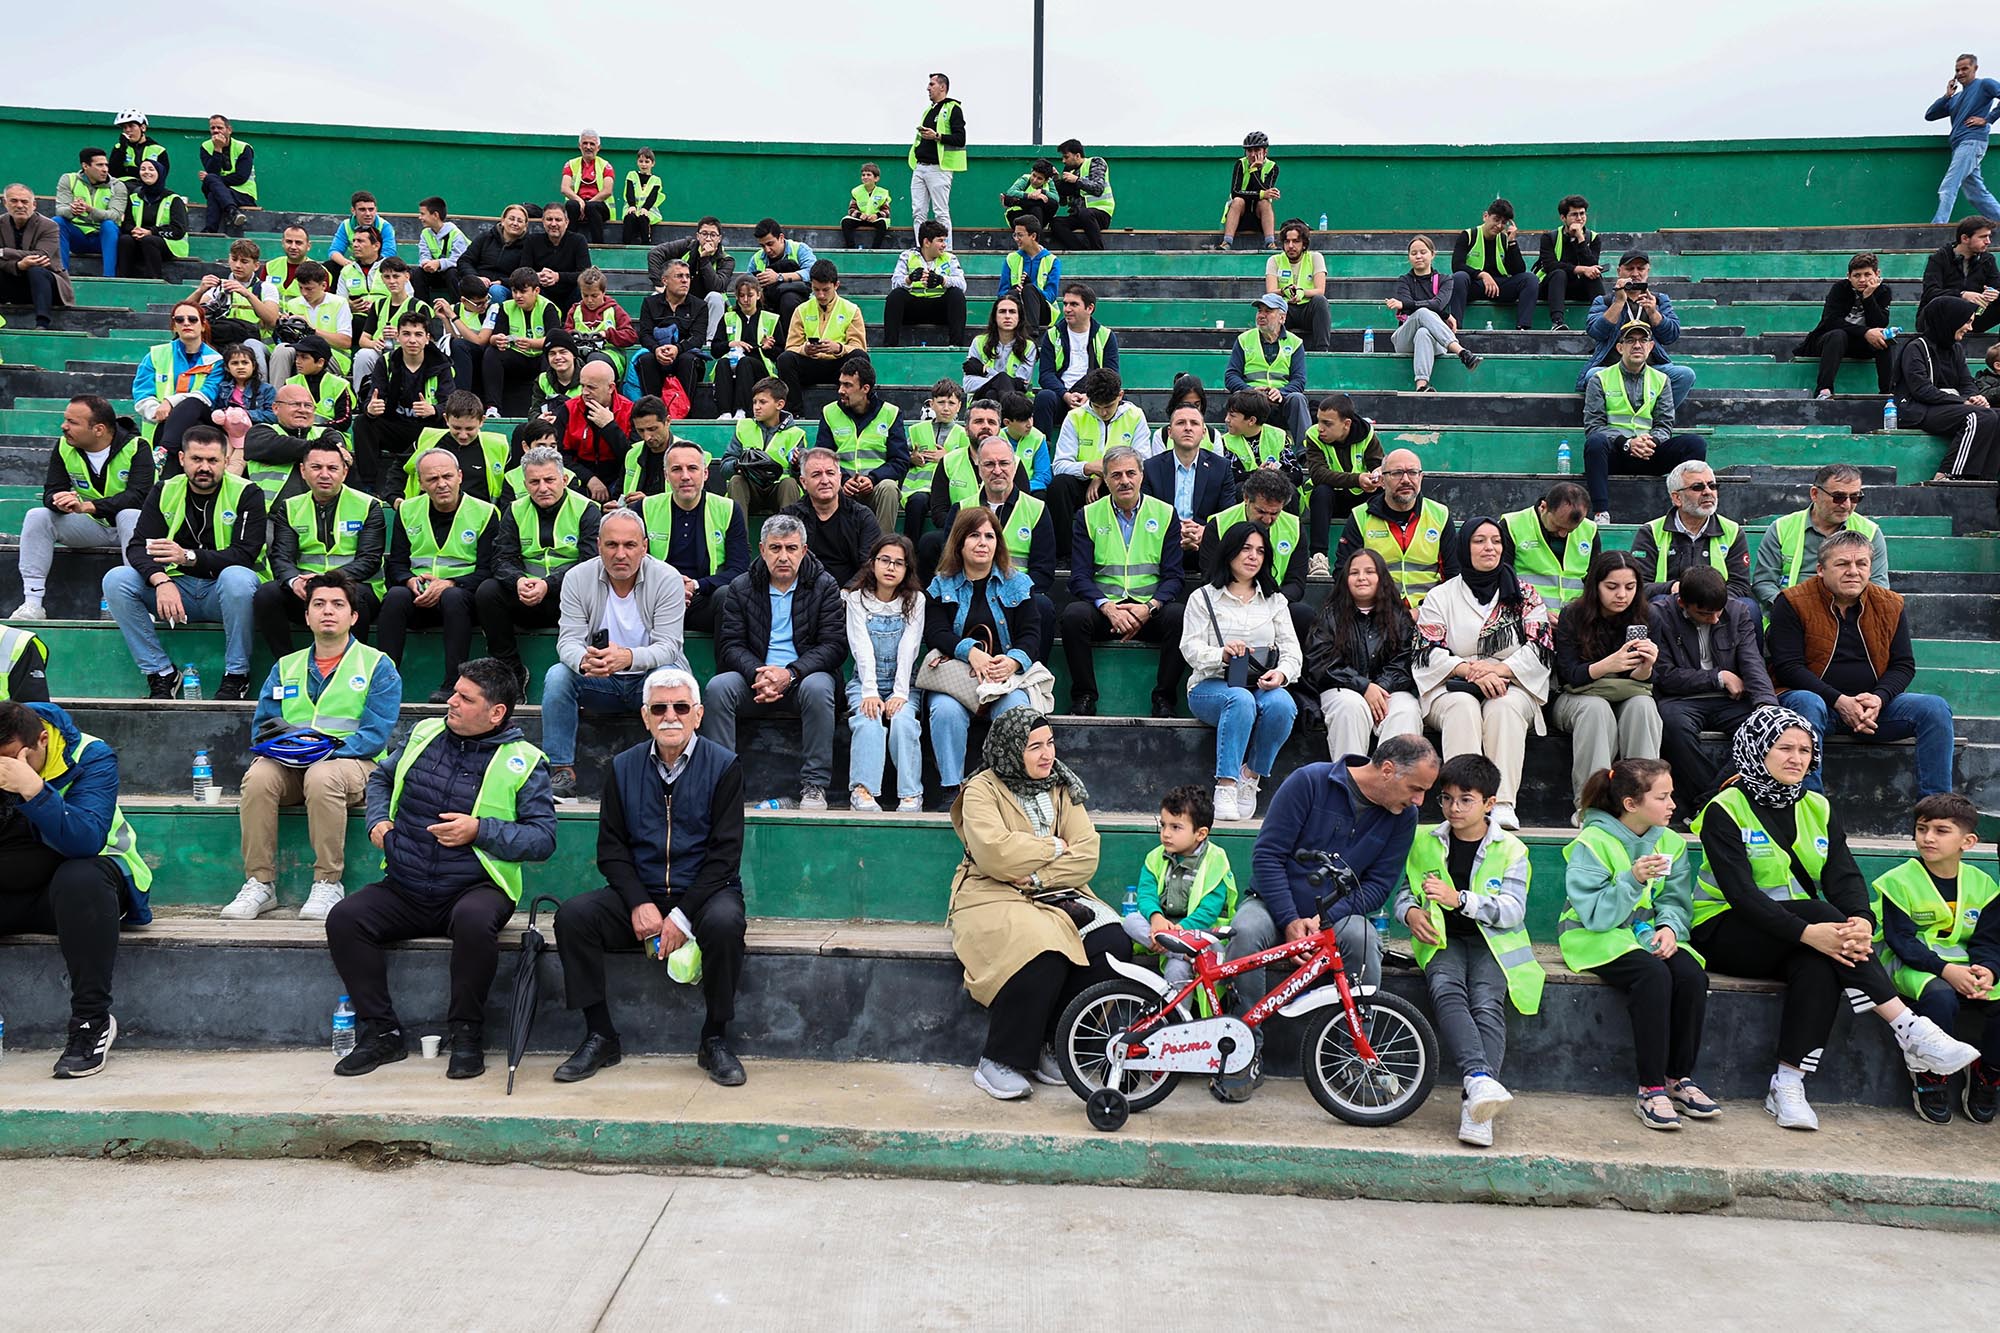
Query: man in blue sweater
column 1968, row 100
column 1365, row 811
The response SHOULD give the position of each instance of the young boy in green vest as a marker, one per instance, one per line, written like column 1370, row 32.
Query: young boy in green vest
column 1464, row 898
column 930, row 441
column 1186, row 882
column 1941, row 948
column 312, row 363
column 867, row 219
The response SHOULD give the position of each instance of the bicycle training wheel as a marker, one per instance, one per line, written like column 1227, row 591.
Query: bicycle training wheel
column 1085, row 1030
column 1343, row 1083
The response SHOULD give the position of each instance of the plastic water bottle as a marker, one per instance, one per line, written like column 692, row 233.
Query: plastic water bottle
column 191, row 682
column 1381, row 921
column 1367, row 340
column 1489, row 326
column 735, row 357
column 203, row 777
column 1562, row 459
column 1131, row 907
column 1322, row 222
column 104, row 608
column 1888, row 414
column 3, row 1037
column 343, row 1028
column 1893, row 332
column 769, row 803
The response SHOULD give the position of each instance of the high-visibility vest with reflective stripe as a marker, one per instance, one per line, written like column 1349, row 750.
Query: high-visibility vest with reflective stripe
column 1130, row 570
column 459, row 555
column 1619, row 413
column 1096, row 437
column 325, row 321
column 281, row 272
column 961, row 475
column 1415, row 569
column 1770, row 864
column 154, row 215
column 1341, row 456
column 1944, row 927
column 1510, row 948
column 1006, row 361
column 914, row 263
column 566, row 532
column 221, row 515
column 717, row 512
column 923, row 435
column 1718, row 548
column 121, row 844
column 759, row 261
column 1274, row 372
column 646, row 193
column 97, row 196
column 1583, row 949
column 1271, row 442
column 861, row 448
column 783, row 443
column 832, row 325
column 516, row 480
column 1483, row 251
column 1018, row 529
column 343, row 697
column 1295, row 280
column 875, row 201
column 951, row 159
column 767, row 327
column 1214, row 877
column 1244, row 172
column 1562, row 234
column 351, row 512
column 599, row 174
column 1028, row 449
column 1536, row 565
column 1284, row 534
column 248, row 189
column 369, row 286
column 507, row 772
column 1059, row 346
column 518, row 323
column 1107, row 201
column 333, row 393
column 1791, row 531
column 118, row 468
column 14, row 643
column 492, row 447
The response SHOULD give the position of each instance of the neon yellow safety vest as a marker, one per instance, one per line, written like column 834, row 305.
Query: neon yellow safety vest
column 599, row 327
column 1344, row 456
column 1512, row 949
column 961, row 475
column 646, row 193
column 1414, row 570
column 325, row 321
column 1562, row 234
column 97, row 196
column 1295, row 280
column 118, row 468
column 1005, row 362
column 1018, row 529
column 14, row 644
column 459, row 555
column 1106, row 201
column 1271, row 373
column 600, row 174
column 351, row 512
column 515, row 322
column 1016, row 269
column 1791, row 536
column 784, row 442
column 951, row 159
column 436, row 244
column 1944, row 927
column 767, row 327
column 1536, row 565
column 280, row 271
column 541, row 561
column 923, row 435
column 516, row 481
column 155, row 215
column 867, row 201
column 507, row 772
column 759, row 261
column 914, row 264
column 369, row 286
column 1059, row 347
column 1271, row 442
column 493, row 448
column 1243, row 176
column 1215, row 877
column 1584, row 949
column 1096, row 437
column 333, row 393
column 1129, row 571
column 831, row 325
column 121, row 844
column 1029, row 449
column 717, row 513
column 1619, row 413
column 861, row 448
column 343, row 697
column 1284, row 534
column 1718, row 548
column 221, row 515
column 1770, row 864
column 248, row 189
column 1483, row 250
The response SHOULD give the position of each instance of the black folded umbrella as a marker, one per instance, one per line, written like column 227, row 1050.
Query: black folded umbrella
column 527, row 989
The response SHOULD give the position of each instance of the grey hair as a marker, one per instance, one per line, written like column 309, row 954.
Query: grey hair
column 589, row 134
column 16, row 185
column 446, row 454
column 780, row 525
column 1118, row 454
column 671, row 678
column 1840, row 541
column 542, row 455
column 611, row 514
column 1400, row 754
column 1677, row 479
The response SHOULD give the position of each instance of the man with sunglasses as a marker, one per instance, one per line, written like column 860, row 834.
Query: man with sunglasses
column 1789, row 551
column 1628, row 420
column 1692, row 533
column 670, row 844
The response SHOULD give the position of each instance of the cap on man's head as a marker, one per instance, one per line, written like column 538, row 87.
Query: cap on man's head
column 1631, row 257
column 313, row 345
column 1632, row 330
column 1270, row 301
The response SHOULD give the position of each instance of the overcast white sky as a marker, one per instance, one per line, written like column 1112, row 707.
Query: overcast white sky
column 1119, row 71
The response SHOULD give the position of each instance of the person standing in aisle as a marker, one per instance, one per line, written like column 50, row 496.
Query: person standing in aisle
column 936, row 152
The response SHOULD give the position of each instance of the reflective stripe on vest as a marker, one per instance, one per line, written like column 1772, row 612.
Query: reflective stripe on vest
column 1284, row 534
column 13, row 644
column 1510, row 948
column 1718, row 548
column 784, row 442
column 248, row 189
column 1096, row 437
column 861, row 448
column 1791, row 530
column 343, row 696
column 1295, row 281
column 221, row 515
column 1770, row 864
column 1483, row 251
column 717, row 511
column 961, row 476
column 1619, row 413
column 1344, row 455
column 600, row 176
column 493, row 448
column 923, row 435
column 1582, row 948
column 1271, row 442
column 507, row 772
column 459, row 555
column 1213, row 877
column 350, row 516
column 951, row 159
column 646, row 196
column 1535, row 564
column 97, row 196
column 121, row 844
column 333, row 392
column 1018, row 531
column 1415, row 569
column 1130, row 570
column 867, row 200
column 767, row 327
column 1275, row 372
column 517, row 323
column 566, row 532
column 156, row 214
column 118, row 467
column 1944, row 927
column 1016, row 268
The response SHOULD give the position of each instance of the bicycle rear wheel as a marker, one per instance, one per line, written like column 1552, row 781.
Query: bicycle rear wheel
column 1083, row 1038
column 1346, row 1085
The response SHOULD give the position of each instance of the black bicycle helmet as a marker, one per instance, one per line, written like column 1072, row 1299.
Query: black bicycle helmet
column 1256, row 139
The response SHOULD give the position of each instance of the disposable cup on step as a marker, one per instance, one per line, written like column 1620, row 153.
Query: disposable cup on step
column 431, row 1046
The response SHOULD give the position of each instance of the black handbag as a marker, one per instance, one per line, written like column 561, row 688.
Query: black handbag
column 1241, row 673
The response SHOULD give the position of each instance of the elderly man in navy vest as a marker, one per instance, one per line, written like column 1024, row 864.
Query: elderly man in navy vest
column 670, row 844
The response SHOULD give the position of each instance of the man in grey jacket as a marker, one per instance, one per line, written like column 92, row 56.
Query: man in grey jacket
column 623, row 615
column 31, row 268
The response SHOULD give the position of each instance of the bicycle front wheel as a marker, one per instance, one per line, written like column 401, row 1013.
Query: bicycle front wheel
column 1083, row 1041
column 1349, row 1086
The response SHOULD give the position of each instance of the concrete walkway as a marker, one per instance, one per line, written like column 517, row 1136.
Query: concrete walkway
column 929, row 1121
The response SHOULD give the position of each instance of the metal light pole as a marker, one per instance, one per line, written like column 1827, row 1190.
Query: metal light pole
column 1036, row 139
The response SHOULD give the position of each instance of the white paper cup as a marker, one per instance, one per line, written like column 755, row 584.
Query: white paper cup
column 431, row 1046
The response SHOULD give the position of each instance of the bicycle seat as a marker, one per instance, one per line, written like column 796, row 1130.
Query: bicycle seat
column 1185, row 943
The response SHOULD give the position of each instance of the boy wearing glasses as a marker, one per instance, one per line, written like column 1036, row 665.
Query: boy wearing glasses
column 1628, row 420
column 1789, row 550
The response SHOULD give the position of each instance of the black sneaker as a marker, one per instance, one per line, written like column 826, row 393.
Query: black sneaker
column 1083, row 705
column 166, row 685
column 1163, row 704
column 562, row 781
column 1982, row 1090
column 89, row 1043
column 1932, row 1097
column 378, row 1044
column 1558, row 326
column 721, row 1063
column 468, row 1051
column 234, row 689
column 1467, row 359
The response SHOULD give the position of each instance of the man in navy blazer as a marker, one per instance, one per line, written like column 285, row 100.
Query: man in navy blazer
column 1199, row 483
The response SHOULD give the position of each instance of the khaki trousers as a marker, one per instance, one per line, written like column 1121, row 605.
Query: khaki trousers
column 328, row 790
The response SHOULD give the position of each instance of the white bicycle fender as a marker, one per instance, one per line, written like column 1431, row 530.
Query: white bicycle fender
column 1319, row 998
column 1149, row 977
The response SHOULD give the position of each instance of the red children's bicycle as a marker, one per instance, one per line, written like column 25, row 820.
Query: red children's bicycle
column 1369, row 1057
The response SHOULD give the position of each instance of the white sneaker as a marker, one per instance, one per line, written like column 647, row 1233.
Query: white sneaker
column 324, row 898
column 1929, row 1049
column 1246, row 794
column 1225, row 805
column 740, row 414
column 812, row 798
column 252, row 900
column 910, row 805
column 725, row 416
column 1000, row 1082
column 492, row 414
column 1485, row 1098
column 30, row 610
column 1318, row 567
column 1787, row 1101
column 860, row 800
column 1472, row 1131
column 1504, row 816
column 1602, row 518
column 1047, row 1071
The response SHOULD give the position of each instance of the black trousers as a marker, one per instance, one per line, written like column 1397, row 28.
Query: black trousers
column 453, row 611
column 635, row 230
column 31, row 286
column 944, row 310
column 190, row 411
column 1682, row 721
column 686, row 367
column 732, row 384
column 1022, row 1017
column 143, row 256
column 1971, row 438
column 382, row 448
column 1668, row 1001
column 79, row 900
column 382, row 914
column 591, row 215
column 501, row 614
column 1083, row 626
column 1328, row 504
column 1560, row 287
column 593, row 924
column 1043, row 212
column 1080, row 229
column 798, row 371
column 274, row 610
column 1837, row 345
column 1735, row 946
column 1312, row 319
column 1065, row 495
column 856, row 234
column 781, row 299
column 501, row 371
column 1938, row 1002
column 1517, row 289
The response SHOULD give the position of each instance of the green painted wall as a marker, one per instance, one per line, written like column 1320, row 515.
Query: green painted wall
column 1632, row 186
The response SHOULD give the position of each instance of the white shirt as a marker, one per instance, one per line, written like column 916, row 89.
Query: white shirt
column 624, row 621
column 1078, row 364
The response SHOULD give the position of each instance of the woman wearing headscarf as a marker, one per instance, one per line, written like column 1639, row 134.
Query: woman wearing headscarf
column 1934, row 392
column 1021, row 903
column 1779, row 897
column 1484, row 648
column 156, row 225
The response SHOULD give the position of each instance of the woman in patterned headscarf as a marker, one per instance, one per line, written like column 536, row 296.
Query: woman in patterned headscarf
column 1779, row 897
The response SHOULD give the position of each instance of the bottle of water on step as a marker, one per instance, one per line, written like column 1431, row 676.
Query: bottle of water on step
column 1367, row 340
column 1322, row 222
column 1562, row 459
column 1131, row 906
column 204, row 777
column 1888, row 414
column 343, row 1028
column 3, row 1038
column 191, row 682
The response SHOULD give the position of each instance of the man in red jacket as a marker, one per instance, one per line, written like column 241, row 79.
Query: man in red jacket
column 597, row 431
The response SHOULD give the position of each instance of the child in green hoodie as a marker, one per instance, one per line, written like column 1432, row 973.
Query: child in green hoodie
column 1631, row 892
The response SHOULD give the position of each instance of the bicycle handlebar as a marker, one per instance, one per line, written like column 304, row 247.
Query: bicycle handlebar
column 1325, row 866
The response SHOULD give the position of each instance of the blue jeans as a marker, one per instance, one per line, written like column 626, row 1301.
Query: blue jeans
column 225, row 599
column 950, row 724
column 870, row 742
column 1252, row 721
column 1963, row 173
column 564, row 692
column 1924, row 716
column 99, row 238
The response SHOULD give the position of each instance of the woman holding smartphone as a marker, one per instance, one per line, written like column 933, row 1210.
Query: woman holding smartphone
column 1604, row 665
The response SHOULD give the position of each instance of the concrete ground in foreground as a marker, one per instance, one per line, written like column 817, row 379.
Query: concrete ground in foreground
column 323, row 1245
column 929, row 1121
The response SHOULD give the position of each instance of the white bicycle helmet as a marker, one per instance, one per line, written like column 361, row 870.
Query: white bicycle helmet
column 127, row 117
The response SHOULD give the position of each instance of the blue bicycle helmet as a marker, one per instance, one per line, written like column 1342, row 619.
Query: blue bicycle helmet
column 300, row 748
